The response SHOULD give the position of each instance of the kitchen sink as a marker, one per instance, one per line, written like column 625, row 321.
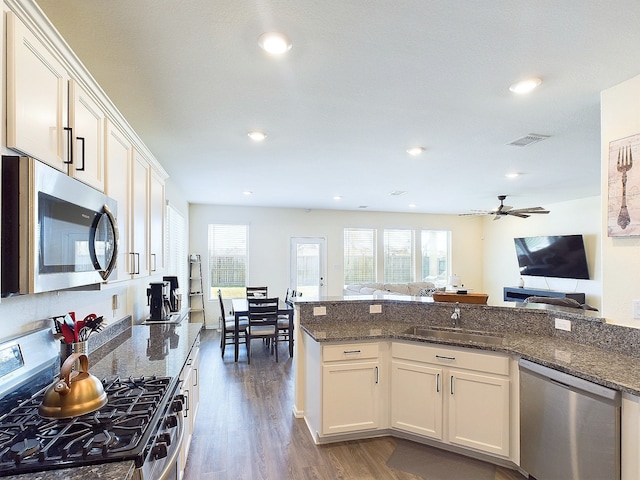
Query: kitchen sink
column 458, row 334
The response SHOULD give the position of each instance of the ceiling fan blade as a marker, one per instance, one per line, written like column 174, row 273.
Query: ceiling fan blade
column 517, row 214
column 530, row 210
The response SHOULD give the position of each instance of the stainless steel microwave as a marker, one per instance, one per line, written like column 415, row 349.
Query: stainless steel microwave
column 57, row 233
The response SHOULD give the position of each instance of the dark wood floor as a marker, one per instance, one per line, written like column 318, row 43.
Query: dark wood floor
column 245, row 427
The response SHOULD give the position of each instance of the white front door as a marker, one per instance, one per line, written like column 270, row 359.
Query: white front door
column 309, row 266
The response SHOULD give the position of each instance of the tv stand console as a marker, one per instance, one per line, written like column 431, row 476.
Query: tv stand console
column 516, row 294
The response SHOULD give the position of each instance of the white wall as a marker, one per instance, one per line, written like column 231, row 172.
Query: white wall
column 270, row 230
column 620, row 118
column 574, row 217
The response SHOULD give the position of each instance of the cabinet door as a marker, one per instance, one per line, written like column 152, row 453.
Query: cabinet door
column 187, row 379
column 479, row 412
column 350, row 400
column 36, row 98
column 86, row 120
column 139, row 212
column 416, row 398
column 156, row 223
column 118, row 155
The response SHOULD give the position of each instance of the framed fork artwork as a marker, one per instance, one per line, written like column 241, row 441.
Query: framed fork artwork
column 623, row 206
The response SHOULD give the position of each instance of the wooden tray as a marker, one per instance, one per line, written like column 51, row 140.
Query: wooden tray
column 478, row 298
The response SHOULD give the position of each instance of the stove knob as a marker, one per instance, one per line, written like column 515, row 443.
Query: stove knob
column 159, row 451
column 171, row 421
column 165, row 438
column 177, row 404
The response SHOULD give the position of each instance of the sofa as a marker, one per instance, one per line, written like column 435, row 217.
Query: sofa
column 416, row 289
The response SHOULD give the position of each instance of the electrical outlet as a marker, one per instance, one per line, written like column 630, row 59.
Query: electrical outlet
column 635, row 306
column 562, row 324
column 319, row 311
column 115, row 304
column 375, row 308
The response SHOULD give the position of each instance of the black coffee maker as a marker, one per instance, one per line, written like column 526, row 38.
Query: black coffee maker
column 158, row 301
column 174, row 297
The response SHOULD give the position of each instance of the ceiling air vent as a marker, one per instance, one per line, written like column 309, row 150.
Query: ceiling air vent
column 528, row 140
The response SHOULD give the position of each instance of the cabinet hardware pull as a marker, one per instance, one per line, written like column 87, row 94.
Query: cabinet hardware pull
column 437, row 383
column 451, row 384
column 377, row 375
column 137, row 270
column 196, row 372
column 442, row 357
column 132, row 263
column 155, row 264
column 350, row 352
column 69, row 131
column 81, row 169
column 186, row 397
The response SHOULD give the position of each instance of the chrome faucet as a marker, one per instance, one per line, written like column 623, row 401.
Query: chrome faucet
column 455, row 316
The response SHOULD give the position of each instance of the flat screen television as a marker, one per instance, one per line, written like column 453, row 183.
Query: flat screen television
column 561, row 256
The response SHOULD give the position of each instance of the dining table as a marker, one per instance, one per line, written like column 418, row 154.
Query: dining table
column 240, row 307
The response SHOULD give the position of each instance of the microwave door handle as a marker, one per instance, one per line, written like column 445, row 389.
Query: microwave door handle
column 114, row 257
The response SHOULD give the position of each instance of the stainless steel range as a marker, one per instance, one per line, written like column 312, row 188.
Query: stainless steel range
column 142, row 422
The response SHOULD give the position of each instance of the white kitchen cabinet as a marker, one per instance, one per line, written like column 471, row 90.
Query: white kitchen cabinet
column 118, row 159
column 139, row 214
column 470, row 390
column 190, row 389
column 49, row 116
column 86, row 120
column 37, row 99
column 416, row 404
column 156, row 223
column 348, row 379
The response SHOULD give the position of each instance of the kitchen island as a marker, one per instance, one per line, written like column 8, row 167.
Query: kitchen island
column 452, row 383
column 161, row 349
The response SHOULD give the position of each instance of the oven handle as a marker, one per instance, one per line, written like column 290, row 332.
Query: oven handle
column 174, row 456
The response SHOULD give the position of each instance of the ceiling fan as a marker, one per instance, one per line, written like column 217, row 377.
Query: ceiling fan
column 504, row 210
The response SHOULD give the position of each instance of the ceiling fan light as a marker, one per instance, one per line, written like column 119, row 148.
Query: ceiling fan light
column 275, row 43
column 525, row 86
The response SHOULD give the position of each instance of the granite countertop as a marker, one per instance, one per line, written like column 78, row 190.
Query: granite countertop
column 142, row 350
column 597, row 365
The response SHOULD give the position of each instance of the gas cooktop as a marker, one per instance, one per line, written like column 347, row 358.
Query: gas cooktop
column 124, row 429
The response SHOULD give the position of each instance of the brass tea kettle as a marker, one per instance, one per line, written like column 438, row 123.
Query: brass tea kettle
column 73, row 395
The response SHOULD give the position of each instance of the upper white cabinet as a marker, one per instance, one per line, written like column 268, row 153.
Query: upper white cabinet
column 86, row 121
column 119, row 155
column 49, row 116
column 36, row 98
column 139, row 213
column 156, row 223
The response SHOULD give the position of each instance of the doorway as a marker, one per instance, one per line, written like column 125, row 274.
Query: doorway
column 309, row 266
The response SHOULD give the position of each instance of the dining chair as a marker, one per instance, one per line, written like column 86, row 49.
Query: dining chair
column 256, row 292
column 227, row 337
column 285, row 327
column 263, row 323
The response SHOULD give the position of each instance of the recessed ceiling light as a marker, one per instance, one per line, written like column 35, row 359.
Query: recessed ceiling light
column 337, row 197
column 363, row 206
column 512, row 175
column 412, row 205
column 397, row 193
column 525, row 86
column 275, row 43
column 414, row 151
column 257, row 136
column 247, row 192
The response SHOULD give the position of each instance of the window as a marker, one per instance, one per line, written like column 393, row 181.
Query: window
column 435, row 256
column 228, row 252
column 175, row 255
column 359, row 255
column 398, row 256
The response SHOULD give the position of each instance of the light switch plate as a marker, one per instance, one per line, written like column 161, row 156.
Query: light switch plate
column 375, row 308
column 635, row 305
column 562, row 324
column 319, row 311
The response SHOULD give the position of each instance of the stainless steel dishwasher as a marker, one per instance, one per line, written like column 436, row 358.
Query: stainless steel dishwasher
column 569, row 427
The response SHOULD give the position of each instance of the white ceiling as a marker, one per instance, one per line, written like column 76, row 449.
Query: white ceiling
column 365, row 80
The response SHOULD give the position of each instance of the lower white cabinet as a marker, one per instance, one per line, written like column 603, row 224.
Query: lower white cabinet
column 191, row 390
column 453, row 395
